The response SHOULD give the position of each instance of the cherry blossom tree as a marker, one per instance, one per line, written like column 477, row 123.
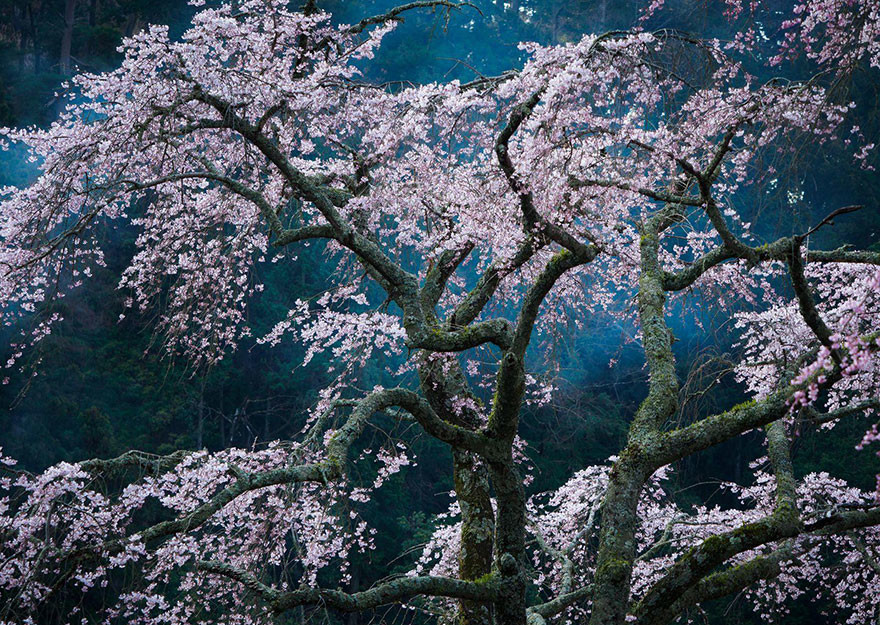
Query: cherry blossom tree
column 601, row 173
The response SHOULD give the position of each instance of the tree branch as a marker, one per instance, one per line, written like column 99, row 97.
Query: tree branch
column 329, row 469
column 532, row 220
column 659, row 196
column 449, row 433
column 134, row 459
column 440, row 272
column 394, row 14
column 394, row 591
column 537, row 614
column 817, row 418
column 693, row 566
column 403, row 284
column 555, row 268
column 476, row 299
column 806, row 303
column 721, row 584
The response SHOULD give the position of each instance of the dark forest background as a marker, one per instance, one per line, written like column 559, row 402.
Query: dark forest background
column 98, row 386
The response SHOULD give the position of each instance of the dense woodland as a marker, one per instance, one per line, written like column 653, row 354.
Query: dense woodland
column 100, row 384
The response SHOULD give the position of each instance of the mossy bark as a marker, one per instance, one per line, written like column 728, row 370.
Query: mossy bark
column 477, row 530
column 444, row 385
column 638, row 460
column 510, row 552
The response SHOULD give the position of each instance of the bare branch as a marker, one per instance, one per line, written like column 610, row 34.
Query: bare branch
column 394, row 15
column 819, row 418
column 806, row 303
column 829, row 220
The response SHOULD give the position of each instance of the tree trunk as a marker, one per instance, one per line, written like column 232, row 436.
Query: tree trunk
column 200, row 424
column 510, row 543
column 94, row 10
column 354, row 586
column 33, row 37
column 444, row 383
column 477, row 530
column 554, row 26
column 67, row 36
column 21, row 27
column 603, row 15
column 266, row 419
column 617, row 542
column 131, row 24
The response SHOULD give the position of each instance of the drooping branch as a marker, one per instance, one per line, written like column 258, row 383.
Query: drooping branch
column 320, row 472
column 395, row 591
column 236, row 186
column 715, row 429
column 867, row 557
column 266, row 593
column 564, row 555
column 665, row 539
column 721, row 584
column 329, row 469
column 806, row 302
column 142, row 461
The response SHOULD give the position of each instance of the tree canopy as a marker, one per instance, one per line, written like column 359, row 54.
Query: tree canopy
column 462, row 227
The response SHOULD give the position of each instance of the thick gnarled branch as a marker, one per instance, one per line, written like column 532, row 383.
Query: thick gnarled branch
column 397, row 590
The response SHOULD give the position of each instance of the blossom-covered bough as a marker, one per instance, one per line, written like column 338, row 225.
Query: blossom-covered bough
column 486, row 213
